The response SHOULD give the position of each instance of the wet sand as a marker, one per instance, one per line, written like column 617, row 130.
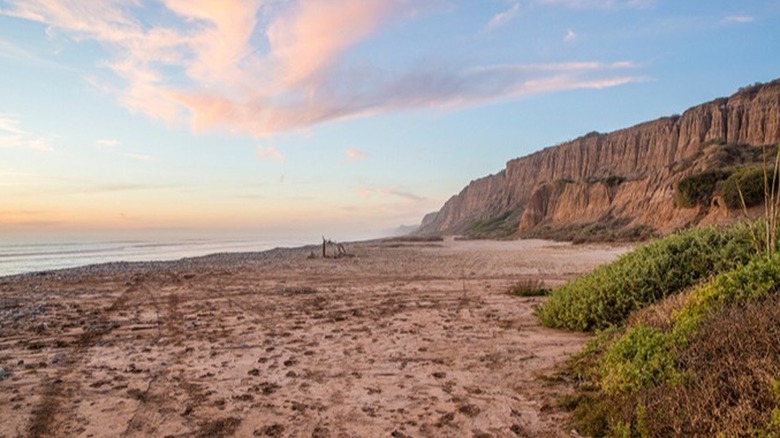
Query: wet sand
column 401, row 340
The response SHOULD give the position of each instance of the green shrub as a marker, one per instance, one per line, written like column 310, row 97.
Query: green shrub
column 735, row 154
column 651, row 272
column 755, row 280
column 611, row 181
column 750, row 181
column 528, row 288
column 730, row 363
column 500, row 226
column 697, row 189
column 714, row 370
column 605, row 230
column 643, row 357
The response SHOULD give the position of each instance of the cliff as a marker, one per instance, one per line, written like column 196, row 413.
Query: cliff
column 623, row 181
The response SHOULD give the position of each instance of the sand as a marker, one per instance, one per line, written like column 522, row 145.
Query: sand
column 401, row 340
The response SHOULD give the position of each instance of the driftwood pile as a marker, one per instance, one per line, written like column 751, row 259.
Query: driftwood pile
column 333, row 250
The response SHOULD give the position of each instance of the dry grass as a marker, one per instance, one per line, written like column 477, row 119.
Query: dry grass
column 608, row 230
column 733, row 366
column 528, row 287
column 661, row 314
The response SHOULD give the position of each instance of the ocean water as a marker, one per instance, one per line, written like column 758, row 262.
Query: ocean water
column 31, row 255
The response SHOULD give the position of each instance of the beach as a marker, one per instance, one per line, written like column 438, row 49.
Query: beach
column 397, row 339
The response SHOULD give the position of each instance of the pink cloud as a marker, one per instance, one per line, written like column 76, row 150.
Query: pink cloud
column 109, row 144
column 355, row 155
column 259, row 68
column 138, row 157
column 11, row 126
column 365, row 192
column 739, row 19
column 313, row 34
column 503, row 18
column 13, row 136
column 604, row 4
column 426, row 87
column 269, row 153
column 220, row 39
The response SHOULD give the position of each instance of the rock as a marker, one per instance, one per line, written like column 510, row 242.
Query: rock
column 4, row 374
column 627, row 176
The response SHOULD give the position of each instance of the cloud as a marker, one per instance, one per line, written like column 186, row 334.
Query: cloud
column 365, row 192
column 13, row 136
column 12, row 51
column 112, row 144
column 603, row 4
column 269, row 153
column 354, row 155
column 112, row 187
column 424, row 87
column 108, row 144
column 138, row 157
column 503, row 18
column 15, row 178
column 739, row 19
column 261, row 67
column 304, row 40
column 10, row 126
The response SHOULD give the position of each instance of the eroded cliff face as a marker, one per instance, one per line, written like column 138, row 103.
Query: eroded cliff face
column 625, row 177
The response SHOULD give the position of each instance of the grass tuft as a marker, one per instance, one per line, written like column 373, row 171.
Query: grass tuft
column 530, row 287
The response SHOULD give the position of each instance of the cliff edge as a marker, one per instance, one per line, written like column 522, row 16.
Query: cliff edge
column 621, row 184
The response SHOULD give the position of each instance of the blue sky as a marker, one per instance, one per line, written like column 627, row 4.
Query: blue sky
column 337, row 117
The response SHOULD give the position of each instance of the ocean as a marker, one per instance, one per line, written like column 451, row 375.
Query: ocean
column 31, row 255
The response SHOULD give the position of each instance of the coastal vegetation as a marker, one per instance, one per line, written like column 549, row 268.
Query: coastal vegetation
column 728, row 170
column 686, row 326
column 502, row 226
column 702, row 362
column 531, row 287
column 606, row 230
column 608, row 295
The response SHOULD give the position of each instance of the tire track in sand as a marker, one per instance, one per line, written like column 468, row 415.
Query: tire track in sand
column 47, row 416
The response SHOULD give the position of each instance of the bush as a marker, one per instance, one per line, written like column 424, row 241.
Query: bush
column 697, row 189
column 503, row 225
column 713, row 371
column 613, row 181
column 528, row 288
column 610, row 293
column 643, row 357
column 610, row 181
column 737, row 155
column 750, row 181
column 731, row 364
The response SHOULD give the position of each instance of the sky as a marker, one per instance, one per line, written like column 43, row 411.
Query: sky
column 338, row 117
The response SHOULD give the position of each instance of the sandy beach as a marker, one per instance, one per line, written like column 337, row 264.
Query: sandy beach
column 400, row 340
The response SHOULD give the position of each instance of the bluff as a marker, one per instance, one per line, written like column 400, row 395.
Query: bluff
column 621, row 182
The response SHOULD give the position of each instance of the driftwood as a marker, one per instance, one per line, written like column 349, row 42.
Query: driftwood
column 337, row 253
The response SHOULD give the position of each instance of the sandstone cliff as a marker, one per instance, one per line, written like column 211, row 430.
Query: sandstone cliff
column 624, row 180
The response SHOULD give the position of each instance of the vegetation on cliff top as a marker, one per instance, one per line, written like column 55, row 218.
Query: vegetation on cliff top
column 729, row 169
